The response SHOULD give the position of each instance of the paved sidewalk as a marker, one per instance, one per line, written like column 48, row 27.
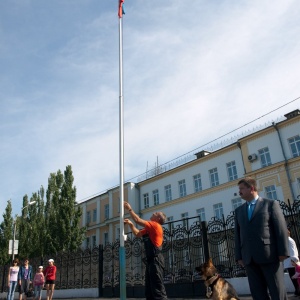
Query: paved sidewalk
column 290, row 296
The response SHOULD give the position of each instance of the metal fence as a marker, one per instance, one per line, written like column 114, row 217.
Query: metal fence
column 187, row 244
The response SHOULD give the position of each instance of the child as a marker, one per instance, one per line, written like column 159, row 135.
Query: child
column 38, row 283
column 295, row 262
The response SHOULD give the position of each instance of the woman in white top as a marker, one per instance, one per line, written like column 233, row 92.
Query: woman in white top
column 288, row 265
column 12, row 279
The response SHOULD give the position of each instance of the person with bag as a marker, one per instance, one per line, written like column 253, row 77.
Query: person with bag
column 24, row 278
column 38, row 283
column 50, row 276
column 12, row 279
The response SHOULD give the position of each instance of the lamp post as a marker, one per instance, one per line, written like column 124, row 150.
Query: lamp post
column 15, row 228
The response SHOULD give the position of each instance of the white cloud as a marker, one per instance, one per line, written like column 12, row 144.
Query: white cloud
column 193, row 71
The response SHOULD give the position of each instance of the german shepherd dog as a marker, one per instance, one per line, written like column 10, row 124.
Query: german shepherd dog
column 217, row 288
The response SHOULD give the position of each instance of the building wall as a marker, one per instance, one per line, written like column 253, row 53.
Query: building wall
column 280, row 178
column 106, row 226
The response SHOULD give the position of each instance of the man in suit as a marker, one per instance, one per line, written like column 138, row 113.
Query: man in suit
column 261, row 242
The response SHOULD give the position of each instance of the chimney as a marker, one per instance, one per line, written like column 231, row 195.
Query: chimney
column 202, row 153
column 292, row 114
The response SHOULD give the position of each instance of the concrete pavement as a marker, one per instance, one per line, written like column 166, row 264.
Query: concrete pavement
column 247, row 297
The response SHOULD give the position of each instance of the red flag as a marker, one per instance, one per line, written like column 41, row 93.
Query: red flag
column 121, row 10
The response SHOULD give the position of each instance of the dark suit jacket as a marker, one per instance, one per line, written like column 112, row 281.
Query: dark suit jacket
column 264, row 237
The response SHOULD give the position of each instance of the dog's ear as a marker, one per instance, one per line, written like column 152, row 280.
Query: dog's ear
column 210, row 261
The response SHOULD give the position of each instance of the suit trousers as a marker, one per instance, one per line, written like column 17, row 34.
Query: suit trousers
column 264, row 277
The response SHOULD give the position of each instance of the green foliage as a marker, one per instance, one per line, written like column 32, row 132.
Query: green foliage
column 45, row 227
column 6, row 234
column 31, row 229
column 63, row 216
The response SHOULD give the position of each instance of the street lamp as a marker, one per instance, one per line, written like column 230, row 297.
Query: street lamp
column 15, row 227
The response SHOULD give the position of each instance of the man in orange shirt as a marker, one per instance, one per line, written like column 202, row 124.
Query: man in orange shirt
column 152, row 234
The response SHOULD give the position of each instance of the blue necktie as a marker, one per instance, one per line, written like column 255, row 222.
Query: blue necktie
column 250, row 210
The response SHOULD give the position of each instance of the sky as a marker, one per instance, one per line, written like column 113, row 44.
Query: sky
column 192, row 72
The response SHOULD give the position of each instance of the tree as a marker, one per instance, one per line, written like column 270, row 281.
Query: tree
column 6, row 234
column 45, row 228
column 23, row 229
column 62, row 214
column 37, row 224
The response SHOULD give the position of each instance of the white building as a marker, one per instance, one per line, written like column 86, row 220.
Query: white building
column 206, row 185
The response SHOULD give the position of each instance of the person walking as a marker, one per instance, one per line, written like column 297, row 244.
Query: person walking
column 38, row 283
column 24, row 278
column 261, row 242
column 50, row 276
column 12, row 279
column 152, row 234
column 287, row 264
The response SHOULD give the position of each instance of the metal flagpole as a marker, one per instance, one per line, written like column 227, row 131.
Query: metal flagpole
column 121, row 159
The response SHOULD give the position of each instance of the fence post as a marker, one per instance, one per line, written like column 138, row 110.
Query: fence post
column 100, row 272
column 205, row 240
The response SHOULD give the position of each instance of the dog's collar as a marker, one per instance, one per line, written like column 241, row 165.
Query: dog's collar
column 215, row 276
column 209, row 289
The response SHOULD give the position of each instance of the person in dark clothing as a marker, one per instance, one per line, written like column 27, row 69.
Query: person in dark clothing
column 261, row 242
column 24, row 278
column 152, row 234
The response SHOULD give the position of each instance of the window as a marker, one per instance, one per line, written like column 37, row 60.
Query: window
column 265, row 157
column 184, row 217
column 146, row 200
column 186, row 257
column 298, row 184
column 118, row 233
column 87, row 242
column 168, row 192
column 271, row 192
column 197, row 183
column 218, row 210
column 182, row 188
column 94, row 215
column 88, row 217
column 214, row 178
column 105, row 238
column 93, row 241
column 201, row 214
column 170, row 219
column 236, row 203
column 106, row 211
column 171, row 259
column 155, row 197
column 295, row 145
column 171, row 223
column 231, row 170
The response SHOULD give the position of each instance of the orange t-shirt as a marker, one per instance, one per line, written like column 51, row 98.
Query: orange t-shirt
column 155, row 232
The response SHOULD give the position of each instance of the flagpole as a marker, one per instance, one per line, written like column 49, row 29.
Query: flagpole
column 121, row 159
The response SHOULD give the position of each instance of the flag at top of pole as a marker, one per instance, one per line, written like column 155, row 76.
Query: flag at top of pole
column 121, row 8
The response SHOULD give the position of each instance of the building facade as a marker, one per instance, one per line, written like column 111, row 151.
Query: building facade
column 206, row 186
